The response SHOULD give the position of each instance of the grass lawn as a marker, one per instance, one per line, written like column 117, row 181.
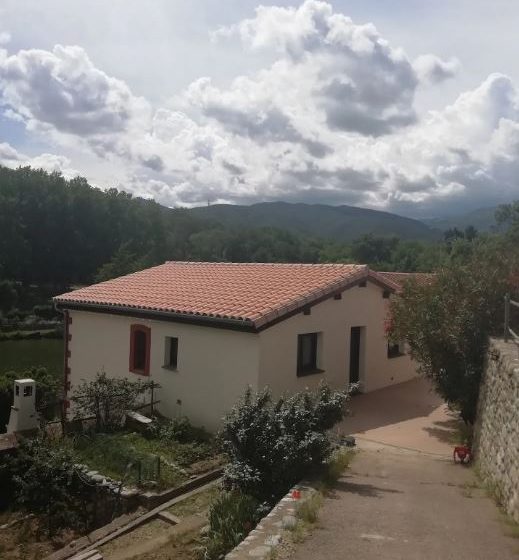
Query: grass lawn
column 110, row 455
column 19, row 355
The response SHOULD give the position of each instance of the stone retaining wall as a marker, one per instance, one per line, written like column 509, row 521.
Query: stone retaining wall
column 263, row 540
column 496, row 436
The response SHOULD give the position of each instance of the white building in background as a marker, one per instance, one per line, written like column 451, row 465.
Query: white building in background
column 205, row 331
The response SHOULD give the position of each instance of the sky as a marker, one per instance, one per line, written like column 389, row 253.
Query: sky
column 404, row 105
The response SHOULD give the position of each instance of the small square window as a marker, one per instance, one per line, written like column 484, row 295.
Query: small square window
column 307, row 359
column 395, row 349
column 386, row 294
column 363, row 284
column 27, row 391
column 171, row 352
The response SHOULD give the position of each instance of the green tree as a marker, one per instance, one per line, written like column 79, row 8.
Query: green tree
column 448, row 323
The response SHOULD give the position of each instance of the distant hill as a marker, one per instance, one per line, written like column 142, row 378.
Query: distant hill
column 340, row 223
column 483, row 219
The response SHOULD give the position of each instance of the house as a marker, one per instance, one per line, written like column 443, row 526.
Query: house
column 205, row 331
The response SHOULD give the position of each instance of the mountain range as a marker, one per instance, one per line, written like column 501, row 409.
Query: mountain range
column 340, row 223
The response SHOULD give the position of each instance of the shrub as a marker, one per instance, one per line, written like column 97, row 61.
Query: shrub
column 44, row 483
column 272, row 445
column 178, row 429
column 231, row 516
column 108, row 399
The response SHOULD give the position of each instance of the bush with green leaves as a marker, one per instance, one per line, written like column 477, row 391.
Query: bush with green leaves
column 108, row 399
column 178, row 429
column 231, row 516
column 44, row 483
column 272, row 444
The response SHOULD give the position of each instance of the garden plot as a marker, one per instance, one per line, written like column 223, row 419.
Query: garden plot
column 146, row 462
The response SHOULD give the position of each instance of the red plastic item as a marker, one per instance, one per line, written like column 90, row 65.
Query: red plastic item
column 463, row 454
column 296, row 494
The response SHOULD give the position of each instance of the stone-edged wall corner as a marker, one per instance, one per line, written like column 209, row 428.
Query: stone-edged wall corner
column 267, row 535
column 496, row 434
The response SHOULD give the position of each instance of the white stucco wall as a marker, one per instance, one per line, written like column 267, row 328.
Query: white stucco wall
column 359, row 307
column 214, row 365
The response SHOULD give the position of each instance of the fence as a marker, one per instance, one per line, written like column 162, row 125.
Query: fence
column 508, row 332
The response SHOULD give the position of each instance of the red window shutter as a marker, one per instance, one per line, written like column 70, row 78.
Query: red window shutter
column 144, row 367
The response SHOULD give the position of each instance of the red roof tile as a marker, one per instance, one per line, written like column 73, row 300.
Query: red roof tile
column 252, row 293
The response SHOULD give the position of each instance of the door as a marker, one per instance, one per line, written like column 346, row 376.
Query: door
column 355, row 343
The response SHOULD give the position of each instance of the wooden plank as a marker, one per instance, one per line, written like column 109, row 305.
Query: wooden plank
column 169, row 517
column 150, row 514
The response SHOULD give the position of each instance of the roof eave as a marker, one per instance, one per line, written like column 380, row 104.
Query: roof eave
column 190, row 318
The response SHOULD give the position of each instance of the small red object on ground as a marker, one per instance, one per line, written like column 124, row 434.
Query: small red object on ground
column 463, row 454
column 296, row 494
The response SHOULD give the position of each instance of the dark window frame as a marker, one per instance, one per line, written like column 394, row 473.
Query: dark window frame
column 312, row 366
column 135, row 331
column 394, row 350
column 171, row 344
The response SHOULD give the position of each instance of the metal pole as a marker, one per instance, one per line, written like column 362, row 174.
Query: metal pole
column 507, row 316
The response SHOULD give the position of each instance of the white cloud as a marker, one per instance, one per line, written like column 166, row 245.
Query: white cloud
column 331, row 119
column 63, row 90
column 431, row 69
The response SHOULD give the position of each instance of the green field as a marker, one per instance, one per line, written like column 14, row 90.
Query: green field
column 19, row 355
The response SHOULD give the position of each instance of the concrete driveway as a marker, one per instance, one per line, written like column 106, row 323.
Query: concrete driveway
column 408, row 415
column 405, row 505
column 403, row 497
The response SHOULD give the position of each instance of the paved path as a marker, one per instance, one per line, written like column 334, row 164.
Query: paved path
column 407, row 415
column 404, row 505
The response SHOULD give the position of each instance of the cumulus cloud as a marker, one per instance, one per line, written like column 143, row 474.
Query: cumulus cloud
column 62, row 89
column 431, row 69
column 331, row 119
column 346, row 71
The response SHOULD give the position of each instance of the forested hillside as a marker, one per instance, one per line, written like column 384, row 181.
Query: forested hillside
column 56, row 232
column 339, row 223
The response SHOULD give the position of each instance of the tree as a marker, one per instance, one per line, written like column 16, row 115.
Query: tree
column 373, row 250
column 108, row 399
column 273, row 444
column 8, row 295
column 448, row 322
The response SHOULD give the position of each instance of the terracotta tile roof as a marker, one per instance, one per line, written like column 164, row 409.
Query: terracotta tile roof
column 251, row 293
column 400, row 278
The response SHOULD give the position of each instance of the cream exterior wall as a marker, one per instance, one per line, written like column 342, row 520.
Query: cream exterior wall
column 359, row 307
column 214, row 365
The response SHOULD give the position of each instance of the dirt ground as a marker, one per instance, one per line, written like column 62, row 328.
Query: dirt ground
column 28, row 540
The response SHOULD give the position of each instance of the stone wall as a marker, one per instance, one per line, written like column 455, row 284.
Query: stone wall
column 496, row 437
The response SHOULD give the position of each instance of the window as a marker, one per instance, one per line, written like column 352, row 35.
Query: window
column 140, row 342
column 171, row 352
column 394, row 350
column 307, row 348
column 27, row 391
